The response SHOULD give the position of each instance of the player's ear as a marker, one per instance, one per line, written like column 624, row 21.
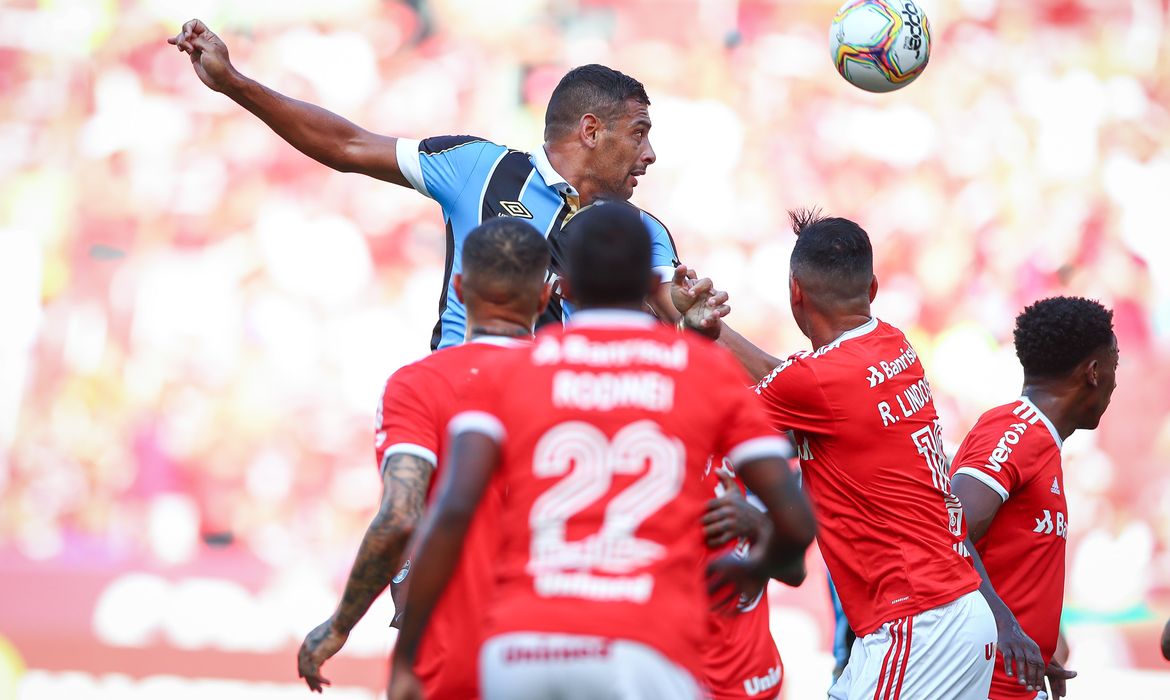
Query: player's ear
column 457, row 281
column 1092, row 372
column 589, row 128
column 873, row 287
column 794, row 291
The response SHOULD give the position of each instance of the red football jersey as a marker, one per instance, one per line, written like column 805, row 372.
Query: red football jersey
column 605, row 427
column 870, row 449
column 417, row 404
column 740, row 659
column 1015, row 451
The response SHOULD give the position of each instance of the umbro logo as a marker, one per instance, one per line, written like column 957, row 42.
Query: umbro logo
column 515, row 209
column 1055, row 486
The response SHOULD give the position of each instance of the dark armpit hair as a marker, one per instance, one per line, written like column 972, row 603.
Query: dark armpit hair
column 591, row 89
column 832, row 251
column 506, row 250
column 1055, row 335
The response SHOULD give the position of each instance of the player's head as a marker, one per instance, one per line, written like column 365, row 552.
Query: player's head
column 607, row 247
column 605, row 115
column 831, row 268
column 1069, row 342
column 505, row 266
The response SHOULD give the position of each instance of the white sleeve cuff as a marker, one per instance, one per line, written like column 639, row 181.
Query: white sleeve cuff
column 477, row 422
column 758, row 448
column 985, row 479
column 410, row 163
column 408, row 448
column 665, row 273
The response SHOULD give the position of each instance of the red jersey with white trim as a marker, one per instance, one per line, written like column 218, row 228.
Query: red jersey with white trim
column 870, row 449
column 605, row 427
column 740, row 659
column 417, row 403
column 1014, row 450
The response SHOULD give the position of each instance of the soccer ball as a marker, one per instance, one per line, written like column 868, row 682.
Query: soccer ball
column 880, row 45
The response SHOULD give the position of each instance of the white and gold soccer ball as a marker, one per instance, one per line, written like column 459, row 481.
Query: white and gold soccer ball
column 880, row 45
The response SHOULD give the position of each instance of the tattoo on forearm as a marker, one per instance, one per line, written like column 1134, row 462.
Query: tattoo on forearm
column 404, row 483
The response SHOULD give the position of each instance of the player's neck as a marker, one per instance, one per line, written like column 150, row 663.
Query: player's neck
column 823, row 330
column 500, row 328
column 561, row 158
column 1057, row 402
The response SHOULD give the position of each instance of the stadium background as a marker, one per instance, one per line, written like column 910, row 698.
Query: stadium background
column 197, row 320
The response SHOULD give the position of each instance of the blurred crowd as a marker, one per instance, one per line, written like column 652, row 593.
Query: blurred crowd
column 197, row 320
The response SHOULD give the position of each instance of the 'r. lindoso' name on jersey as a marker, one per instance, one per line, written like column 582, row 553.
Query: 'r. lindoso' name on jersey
column 910, row 400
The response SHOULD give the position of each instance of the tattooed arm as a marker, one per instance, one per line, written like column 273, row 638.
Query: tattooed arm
column 404, row 487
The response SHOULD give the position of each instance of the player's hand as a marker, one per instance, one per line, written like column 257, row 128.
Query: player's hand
column 319, row 646
column 731, row 517
column 209, row 55
column 1021, row 655
column 1058, row 676
column 404, row 685
column 731, row 576
column 701, row 305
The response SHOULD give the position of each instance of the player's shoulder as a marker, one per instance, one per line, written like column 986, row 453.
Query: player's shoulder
column 438, row 145
column 1021, row 417
column 797, row 367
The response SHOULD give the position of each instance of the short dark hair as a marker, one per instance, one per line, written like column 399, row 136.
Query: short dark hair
column 608, row 250
column 832, row 254
column 591, row 89
column 1055, row 335
column 506, row 253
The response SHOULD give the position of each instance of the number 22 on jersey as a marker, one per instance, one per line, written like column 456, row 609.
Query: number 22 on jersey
column 588, row 461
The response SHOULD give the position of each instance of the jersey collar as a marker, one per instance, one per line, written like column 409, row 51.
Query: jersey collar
column 551, row 177
column 861, row 330
column 1048, row 423
column 611, row 318
column 502, row 341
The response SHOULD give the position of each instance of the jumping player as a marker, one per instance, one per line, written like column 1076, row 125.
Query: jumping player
column 870, row 449
column 597, row 145
column 503, row 287
column 598, row 437
column 1008, row 475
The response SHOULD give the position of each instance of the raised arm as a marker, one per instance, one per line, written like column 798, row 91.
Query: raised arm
column 318, row 133
column 404, row 488
column 980, row 504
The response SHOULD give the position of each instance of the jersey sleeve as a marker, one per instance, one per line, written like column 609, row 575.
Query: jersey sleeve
column 792, row 398
column 440, row 166
column 407, row 422
column 745, row 433
column 994, row 454
column 664, row 255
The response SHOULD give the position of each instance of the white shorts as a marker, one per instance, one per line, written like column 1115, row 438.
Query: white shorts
column 945, row 652
column 539, row 666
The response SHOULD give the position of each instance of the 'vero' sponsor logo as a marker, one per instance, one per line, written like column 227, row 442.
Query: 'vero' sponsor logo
column 1003, row 449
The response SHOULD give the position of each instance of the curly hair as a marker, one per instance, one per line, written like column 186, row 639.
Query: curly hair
column 1055, row 335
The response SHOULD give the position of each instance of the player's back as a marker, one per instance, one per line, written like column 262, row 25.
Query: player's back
column 1014, row 450
column 417, row 405
column 869, row 441
column 609, row 423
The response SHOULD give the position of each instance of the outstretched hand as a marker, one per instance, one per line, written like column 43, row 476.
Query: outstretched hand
column 209, row 55
column 701, row 305
column 319, row 646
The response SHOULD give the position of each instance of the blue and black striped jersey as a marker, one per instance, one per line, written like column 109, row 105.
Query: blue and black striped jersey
column 473, row 179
